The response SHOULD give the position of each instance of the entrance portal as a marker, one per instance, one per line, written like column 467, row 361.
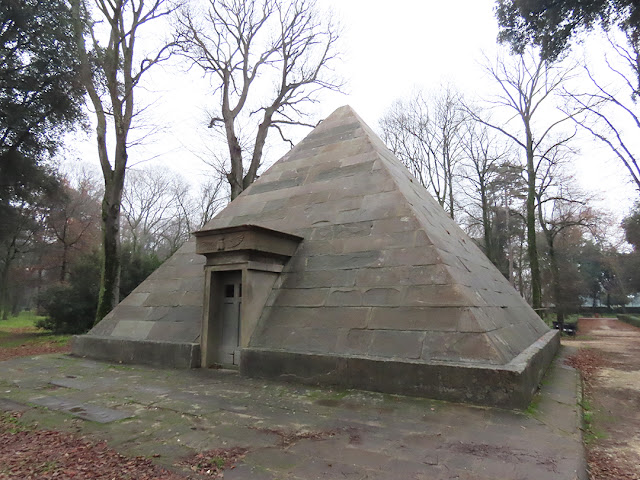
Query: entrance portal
column 241, row 260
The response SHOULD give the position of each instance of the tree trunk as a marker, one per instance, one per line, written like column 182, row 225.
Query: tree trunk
column 486, row 224
column 235, row 149
column 38, row 289
column 507, row 213
column 261, row 139
column 532, row 249
column 110, row 272
column 520, row 261
column 235, row 176
column 449, row 179
column 555, row 281
column 4, row 290
column 63, row 266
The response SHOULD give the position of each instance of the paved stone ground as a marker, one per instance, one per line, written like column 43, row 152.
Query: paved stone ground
column 295, row 432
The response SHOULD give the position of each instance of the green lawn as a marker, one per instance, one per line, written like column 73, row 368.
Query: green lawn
column 25, row 319
column 21, row 330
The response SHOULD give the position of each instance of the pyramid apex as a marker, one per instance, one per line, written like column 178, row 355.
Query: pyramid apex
column 345, row 113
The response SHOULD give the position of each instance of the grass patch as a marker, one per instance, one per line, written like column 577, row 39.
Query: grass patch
column 33, row 339
column 217, row 462
column 25, row 319
column 11, row 423
column 534, row 406
column 21, row 331
column 591, row 433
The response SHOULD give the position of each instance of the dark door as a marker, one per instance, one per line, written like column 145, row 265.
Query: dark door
column 229, row 353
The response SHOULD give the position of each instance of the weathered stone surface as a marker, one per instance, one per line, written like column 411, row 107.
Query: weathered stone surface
column 442, row 296
column 167, row 331
column 405, row 345
column 398, row 257
column 511, row 385
column 277, row 185
column 319, row 279
column 135, row 299
column 341, row 172
column 382, row 271
column 329, row 317
column 8, row 405
column 85, row 411
column 304, row 297
column 346, row 261
column 383, row 296
column 135, row 329
column 356, row 342
column 345, row 297
column 403, row 275
column 431, row 319
column 147, row 352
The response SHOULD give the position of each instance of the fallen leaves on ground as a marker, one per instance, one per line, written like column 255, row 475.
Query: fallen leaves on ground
column 214, row 462
column 587, row 361
column 28, row 350
column 289, row 438
column 45, row 454
column 606, row 466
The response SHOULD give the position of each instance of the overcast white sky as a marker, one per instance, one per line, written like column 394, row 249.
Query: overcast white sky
column 390, row 48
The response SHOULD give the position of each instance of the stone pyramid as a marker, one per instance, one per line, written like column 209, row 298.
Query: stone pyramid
column 384, row 292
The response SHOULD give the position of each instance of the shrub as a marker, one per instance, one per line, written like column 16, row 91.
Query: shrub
column 630, row 319
column 71, row 307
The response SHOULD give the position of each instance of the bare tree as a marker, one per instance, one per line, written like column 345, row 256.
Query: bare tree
column 159, row 210
column 509, row 186
column 73, row 221
column 483, row 155
column 405, row 130
column 111, row 72
column 560, row 206
column 609, row 110
column 526, row 85
column 247, row 45
column 426, row 135
column 198, row 210
column 147, row 207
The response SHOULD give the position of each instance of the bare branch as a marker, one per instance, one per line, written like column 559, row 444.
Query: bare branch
column 287, row 44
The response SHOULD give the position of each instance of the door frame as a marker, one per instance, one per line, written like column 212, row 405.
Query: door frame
column 211, row 336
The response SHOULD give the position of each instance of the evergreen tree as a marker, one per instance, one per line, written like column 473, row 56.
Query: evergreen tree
column 550, row 24
column 39, row 97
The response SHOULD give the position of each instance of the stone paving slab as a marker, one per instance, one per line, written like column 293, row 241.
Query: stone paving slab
column 295, row 432
column 7, row 405
column 84, row 411
column 72, row 382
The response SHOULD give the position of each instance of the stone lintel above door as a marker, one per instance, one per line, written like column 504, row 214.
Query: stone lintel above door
column 224, row 245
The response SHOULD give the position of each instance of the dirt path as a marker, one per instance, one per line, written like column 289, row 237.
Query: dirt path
column 609, row 358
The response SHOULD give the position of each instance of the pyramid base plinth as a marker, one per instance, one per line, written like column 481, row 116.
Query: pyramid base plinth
column 507, row 386
column 141, row 352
